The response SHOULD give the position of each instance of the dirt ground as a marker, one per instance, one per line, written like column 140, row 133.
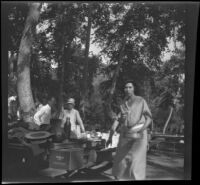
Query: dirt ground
column 163, row 166
column 160, row 166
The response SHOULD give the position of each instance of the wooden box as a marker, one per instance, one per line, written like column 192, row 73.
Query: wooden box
column 68, row 159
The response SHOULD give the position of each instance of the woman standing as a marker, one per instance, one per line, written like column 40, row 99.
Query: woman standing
column 135, row 117
column 70, row 114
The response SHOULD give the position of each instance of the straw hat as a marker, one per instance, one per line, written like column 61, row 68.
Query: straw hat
column 70, row 101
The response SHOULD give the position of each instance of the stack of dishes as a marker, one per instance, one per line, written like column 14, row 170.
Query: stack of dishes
column 66, row 145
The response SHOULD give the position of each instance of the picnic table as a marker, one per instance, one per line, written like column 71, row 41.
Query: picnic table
column 68, row 160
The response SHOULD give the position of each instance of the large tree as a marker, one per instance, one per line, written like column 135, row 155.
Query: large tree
column 23, row 63
column 66, row 28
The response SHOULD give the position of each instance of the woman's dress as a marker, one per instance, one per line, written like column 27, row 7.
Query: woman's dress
column 130, row 159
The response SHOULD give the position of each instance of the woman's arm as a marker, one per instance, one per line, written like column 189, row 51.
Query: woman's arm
column 147, row 123
column 112, row 131
column 114, row 126
column 147, row 114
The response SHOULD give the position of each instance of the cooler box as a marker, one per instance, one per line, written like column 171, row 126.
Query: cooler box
column 68, row 159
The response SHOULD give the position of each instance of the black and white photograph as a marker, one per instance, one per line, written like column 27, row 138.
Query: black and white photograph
column 97, row 91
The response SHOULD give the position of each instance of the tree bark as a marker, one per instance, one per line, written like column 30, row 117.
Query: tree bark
column 11, row 64
column 62, row 69
column 168, row 119
column 65, row 53
column 87, row 47
column 62, row 78
column 23, row 64
column 114, row 80
column 12, row 77
column 85, row 75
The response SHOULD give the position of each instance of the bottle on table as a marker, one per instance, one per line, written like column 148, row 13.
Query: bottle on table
column 67, row 127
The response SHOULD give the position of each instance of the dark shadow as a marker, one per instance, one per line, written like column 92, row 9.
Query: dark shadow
column 81, row 176
column 177, row 171
column 99, row 170
column 88, row 174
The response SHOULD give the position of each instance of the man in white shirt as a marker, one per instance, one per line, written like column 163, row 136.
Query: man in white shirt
column 71, row 114
column 43, row 115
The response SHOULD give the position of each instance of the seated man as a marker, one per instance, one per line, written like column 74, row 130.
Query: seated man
column 43, row 115
column 69, row 114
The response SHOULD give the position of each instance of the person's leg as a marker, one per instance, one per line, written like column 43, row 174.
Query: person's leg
column 138, row 160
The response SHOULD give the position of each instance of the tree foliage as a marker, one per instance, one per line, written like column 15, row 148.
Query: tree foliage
column 60, row 42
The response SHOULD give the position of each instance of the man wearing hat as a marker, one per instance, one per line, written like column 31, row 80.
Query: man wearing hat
column 71, row 114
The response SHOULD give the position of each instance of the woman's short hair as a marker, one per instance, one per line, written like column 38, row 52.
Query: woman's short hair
column 129, row 81
column 135, row 85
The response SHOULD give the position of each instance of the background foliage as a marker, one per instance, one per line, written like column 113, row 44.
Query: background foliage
column 59, row 43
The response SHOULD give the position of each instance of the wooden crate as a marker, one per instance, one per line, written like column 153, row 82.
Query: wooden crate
column 68, row 159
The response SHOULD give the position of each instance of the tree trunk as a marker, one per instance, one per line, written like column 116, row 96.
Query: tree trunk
column 114, row 80
column 85, row 75
column 11, row 64
column 12, row 77
column 62, row 70
column 168, row 119
column 87, row 47
column 62, row 78
column 61, row 66
column 65, row 53
column 23, row 64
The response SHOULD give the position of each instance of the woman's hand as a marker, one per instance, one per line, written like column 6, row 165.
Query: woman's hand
column 142, row 129
column 82, row 129
column 124, row 117
column 147, row 123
